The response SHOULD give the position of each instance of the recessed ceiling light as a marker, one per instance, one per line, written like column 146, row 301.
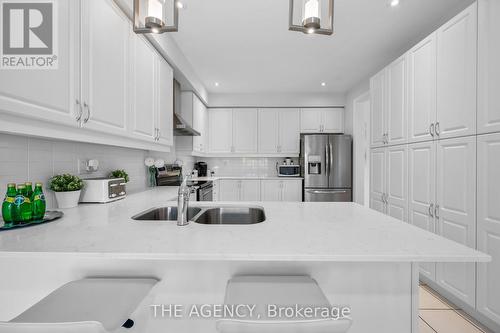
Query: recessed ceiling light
column 394, row 3
column 323, row 84
column 180, row 5
column 216, row 84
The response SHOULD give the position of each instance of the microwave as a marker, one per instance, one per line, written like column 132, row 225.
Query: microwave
column 288, row 170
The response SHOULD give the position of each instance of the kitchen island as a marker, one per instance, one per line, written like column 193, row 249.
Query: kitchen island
column 360, row 258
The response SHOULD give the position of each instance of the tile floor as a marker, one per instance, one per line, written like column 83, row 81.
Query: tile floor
column 439, row 316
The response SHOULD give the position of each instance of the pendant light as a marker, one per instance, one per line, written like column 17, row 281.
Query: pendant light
column 155, row 16
column 311, row 16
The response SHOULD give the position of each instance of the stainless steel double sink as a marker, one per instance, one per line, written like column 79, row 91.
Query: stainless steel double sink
column 207, row 215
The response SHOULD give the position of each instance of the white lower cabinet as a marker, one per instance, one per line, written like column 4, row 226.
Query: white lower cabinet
column 389, row 181
column 456, row 211
column 488, row 224
column 422, row 193
column 397, row 182
column 239, row 190
column 289, row 190
column 377, row 179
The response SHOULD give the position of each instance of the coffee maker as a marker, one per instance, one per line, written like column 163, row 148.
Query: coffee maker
column 202, row 168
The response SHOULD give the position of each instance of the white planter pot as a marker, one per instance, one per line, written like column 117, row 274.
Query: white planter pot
column 67, row 199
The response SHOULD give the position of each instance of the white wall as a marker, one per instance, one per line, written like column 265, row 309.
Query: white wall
column 355, row 92
column 33, row 159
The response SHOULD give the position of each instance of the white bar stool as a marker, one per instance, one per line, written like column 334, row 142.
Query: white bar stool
column 262, row 291
column 94, row 305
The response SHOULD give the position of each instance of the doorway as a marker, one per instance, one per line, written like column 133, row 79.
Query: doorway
column 361, row 163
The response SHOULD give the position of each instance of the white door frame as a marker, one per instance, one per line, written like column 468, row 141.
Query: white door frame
column 361, row 148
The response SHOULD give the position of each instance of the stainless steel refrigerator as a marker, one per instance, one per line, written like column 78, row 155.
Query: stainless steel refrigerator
column 326, row 165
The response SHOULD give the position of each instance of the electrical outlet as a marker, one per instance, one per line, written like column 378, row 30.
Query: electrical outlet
column 82, row 166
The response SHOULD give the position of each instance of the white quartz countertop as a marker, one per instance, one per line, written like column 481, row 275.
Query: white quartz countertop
column 343, row 232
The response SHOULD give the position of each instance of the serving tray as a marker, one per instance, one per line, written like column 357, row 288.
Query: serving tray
column 49, row 217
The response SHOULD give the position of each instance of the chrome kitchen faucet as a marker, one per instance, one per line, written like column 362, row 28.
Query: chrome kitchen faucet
column 183, row 203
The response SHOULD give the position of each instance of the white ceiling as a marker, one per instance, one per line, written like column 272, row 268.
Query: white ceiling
column 246, row 46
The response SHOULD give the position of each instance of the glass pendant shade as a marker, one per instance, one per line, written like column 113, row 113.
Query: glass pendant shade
column 155, row 16
column 311, row 16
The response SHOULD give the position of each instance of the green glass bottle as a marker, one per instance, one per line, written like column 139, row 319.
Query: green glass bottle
column 22, row 206
column 38, row 203
column 29, row 190
column 8, row 204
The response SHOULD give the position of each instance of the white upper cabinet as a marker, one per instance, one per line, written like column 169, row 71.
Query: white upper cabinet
column 200, row 124
column 106, row 33
column 233, row 131
column 456, row 211
column 396, row 102
column 244, row 131
column 378, row 109
column 322, row 120
column 422, row 90
column 488, row 116
column 311, row 120
column 144, row 92
column 289, row 131
column 269, row 126
column 279, row 131
column 488, row 224
column 165, row 111
column 456, row 75
column 221, row 130
column 396, row 166
column 50, row 95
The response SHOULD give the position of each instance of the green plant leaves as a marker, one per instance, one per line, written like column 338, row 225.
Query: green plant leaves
column 65, row 183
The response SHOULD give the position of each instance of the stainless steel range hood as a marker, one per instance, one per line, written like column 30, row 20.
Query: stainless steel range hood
column 181, row 126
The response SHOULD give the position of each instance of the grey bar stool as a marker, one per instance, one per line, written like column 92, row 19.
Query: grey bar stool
column 262, row 291
column 94, row 305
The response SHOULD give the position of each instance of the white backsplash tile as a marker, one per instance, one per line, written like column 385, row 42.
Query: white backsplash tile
column 244, row 166
column 33, row 159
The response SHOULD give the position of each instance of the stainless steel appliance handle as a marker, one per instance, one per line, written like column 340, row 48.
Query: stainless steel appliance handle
column 330, row 163
column 327, row 191
column 327, row 164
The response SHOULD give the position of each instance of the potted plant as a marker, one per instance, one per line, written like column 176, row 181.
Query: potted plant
column 67, row 189
column 119, row 174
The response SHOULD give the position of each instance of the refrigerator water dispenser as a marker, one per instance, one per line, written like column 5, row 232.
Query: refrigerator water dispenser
column 314, row 164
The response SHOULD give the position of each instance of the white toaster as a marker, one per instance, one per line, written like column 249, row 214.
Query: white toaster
column 102, row 190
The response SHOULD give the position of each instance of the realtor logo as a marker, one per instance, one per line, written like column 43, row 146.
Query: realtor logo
column 28, row 34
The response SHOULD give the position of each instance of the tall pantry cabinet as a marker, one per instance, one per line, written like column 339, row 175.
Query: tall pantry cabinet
column 452, row 146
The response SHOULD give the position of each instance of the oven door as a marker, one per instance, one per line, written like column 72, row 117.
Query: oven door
column 205, row 194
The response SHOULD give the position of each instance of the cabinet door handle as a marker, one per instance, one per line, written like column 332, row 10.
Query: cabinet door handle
column 86, row 106
column 436, row 212
column 431, row 210
column 80, row 111
column 159, row 135
column 431, row 129
column 438, row 129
